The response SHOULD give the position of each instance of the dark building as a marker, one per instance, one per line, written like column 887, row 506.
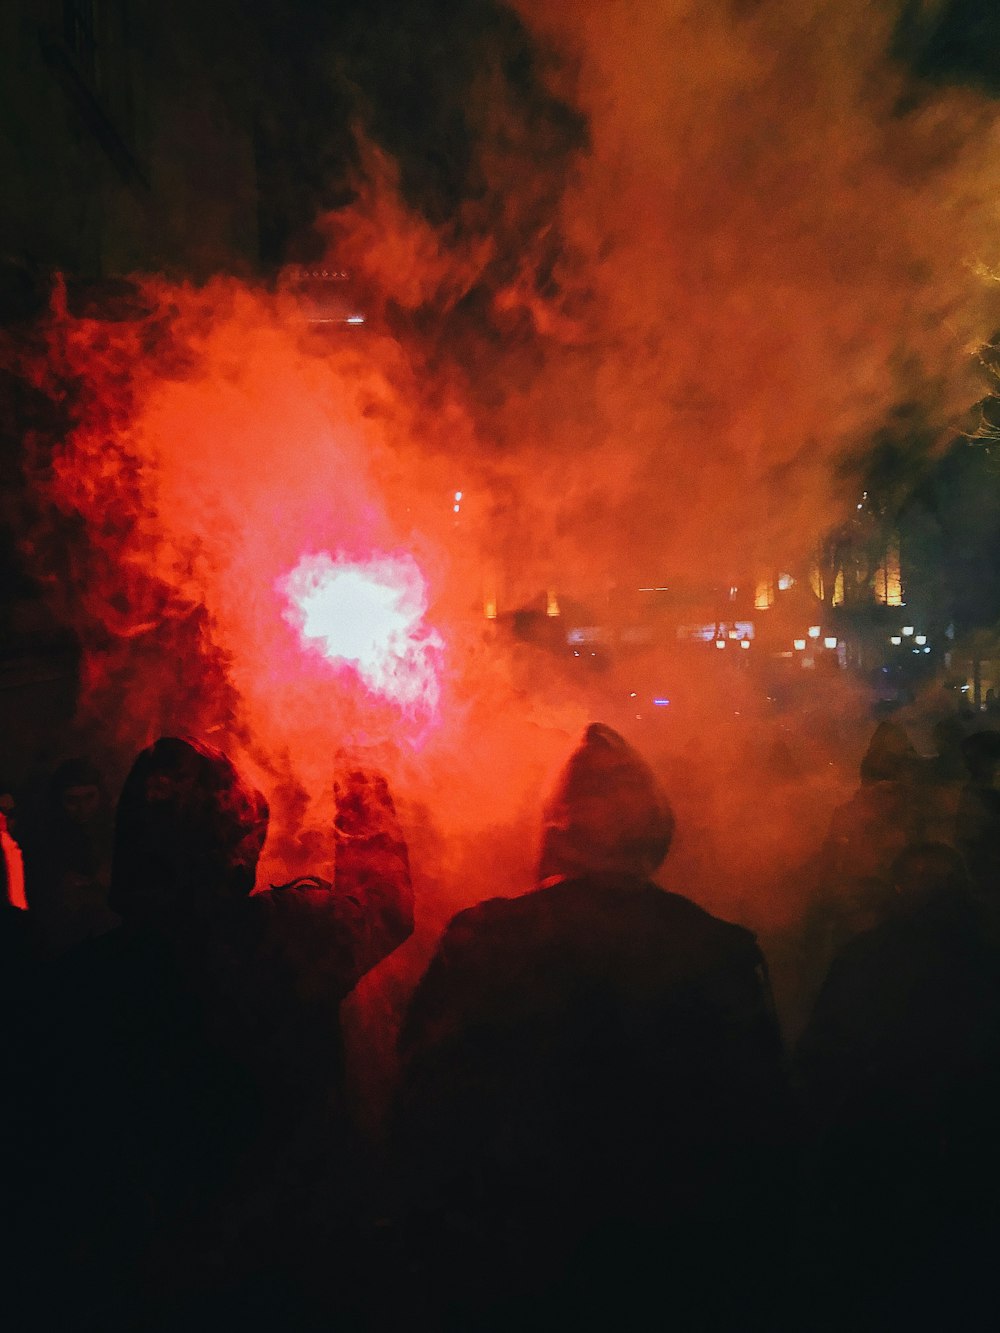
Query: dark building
column 127, row 145
column 126, row 139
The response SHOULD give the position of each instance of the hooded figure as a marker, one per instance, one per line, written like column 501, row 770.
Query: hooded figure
column 894, row 807
column 883, row 815
column 193, row 1073
column 188, row 834
column 607, row 814
column 899, row 1075
column 593, row 1110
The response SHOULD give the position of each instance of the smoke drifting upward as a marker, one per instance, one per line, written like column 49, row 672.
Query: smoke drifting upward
column 251, row 492
column 774, row 236
column 642, row 348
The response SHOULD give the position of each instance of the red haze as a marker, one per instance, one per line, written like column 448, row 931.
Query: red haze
column 771, row 240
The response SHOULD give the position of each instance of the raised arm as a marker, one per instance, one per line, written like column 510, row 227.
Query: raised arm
column 332, row 934
column 372, row 867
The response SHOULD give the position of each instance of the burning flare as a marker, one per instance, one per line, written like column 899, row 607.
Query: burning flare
column 369, row 617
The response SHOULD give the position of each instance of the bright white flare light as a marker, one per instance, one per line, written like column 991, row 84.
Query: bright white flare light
column 369, row 616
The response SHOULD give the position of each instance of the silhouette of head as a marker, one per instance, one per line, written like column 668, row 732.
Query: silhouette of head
column 188, row 834
column 76, row 791
column 607, row 814
column 981, row 752
column 890, row 756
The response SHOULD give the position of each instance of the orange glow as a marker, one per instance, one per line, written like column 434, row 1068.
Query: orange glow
column 816, row 581
column 888, row 581
column 567, row 365
column 764, row 596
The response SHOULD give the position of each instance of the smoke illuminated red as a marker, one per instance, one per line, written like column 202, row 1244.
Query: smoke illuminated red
column 645, row 370
column 369, row 616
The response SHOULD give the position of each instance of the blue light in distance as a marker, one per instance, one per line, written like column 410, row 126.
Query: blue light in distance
column 661, row 703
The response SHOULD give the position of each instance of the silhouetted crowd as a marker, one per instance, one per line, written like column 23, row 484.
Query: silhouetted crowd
column 598, row 1121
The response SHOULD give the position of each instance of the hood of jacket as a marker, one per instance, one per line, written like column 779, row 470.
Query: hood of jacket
column 607, row 814
column 188, row 831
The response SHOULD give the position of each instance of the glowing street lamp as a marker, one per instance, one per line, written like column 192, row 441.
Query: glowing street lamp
column 896, row 640
column 907, row 629
column 799, row 645
column 814, row 631
column 829, row 643
column 921, row 639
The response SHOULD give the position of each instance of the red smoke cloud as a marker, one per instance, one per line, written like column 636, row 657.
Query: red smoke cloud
column 269, row 554
column 771, row 239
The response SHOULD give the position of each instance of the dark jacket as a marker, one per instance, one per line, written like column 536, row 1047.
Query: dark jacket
column 899, row 1074
column 590, row 1005
column 198, row 1046
column 593, row 1086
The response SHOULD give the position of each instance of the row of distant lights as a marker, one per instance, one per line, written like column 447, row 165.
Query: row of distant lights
column 339, row 275
column 896, row 639
column 814, row 631
column 907, row 632
column 318, row 273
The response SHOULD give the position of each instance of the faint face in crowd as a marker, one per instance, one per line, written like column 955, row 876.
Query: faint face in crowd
column 81, row 803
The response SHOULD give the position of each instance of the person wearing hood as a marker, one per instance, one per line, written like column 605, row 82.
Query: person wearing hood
column 192, row 1067
column 893, row 808
column 593, row 1111
column 898, row 1072
column 883, row 816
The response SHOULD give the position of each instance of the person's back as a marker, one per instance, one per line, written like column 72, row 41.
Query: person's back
column 898, row 1070
column 977, row 819
column 890, row 810
column 200, row 1041
column 593, row 1078
column 883, row 816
